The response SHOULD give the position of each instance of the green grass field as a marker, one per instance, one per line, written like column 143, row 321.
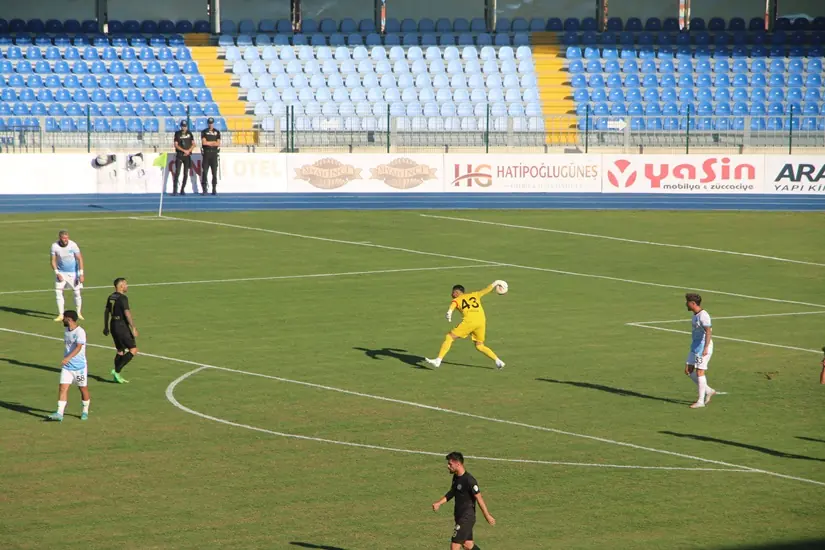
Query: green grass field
column 580, row 383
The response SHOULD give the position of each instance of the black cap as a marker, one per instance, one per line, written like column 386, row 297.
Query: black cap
column 70, row 314
column 184, row 123
column 210, row 120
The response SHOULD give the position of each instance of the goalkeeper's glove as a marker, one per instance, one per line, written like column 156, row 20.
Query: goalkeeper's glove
column 449, row 315
column 497, row 282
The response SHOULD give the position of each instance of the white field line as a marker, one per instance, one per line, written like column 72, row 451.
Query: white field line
column 634, row 241
column 687, row 320
column 170, row 396
column 73, row 220
column 501, row 264
column 715, row 337
column 449, row 411
column 272, row 278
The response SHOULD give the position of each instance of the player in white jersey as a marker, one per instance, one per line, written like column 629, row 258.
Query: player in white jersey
column 67, row 263
column 701, row 349
column 75, row 370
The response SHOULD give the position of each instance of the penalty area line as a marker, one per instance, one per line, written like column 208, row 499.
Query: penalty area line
column 715, row 337
column 621, row 239
column 500, row 264
column 453, row 412
column 687, row 320
column 270, row 278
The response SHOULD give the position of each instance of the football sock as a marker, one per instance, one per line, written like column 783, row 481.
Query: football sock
column 61, row 406
column 118, row 359
column 86, row 406
column 488, row 352
column 694, row 377
column 703, row 386
column 124, row 360
column 78, row 300
column 61, row 303
column 445, row 347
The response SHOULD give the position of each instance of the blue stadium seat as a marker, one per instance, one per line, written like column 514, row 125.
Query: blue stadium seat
column 554, row 24
column 653, row 24
column 148, row 27
column 571, row 24
column 202, row 26
column 35, row 26
column 614, row 24
column 736, row 24
column 184, row 26
column 697, row 24
column 633, row 24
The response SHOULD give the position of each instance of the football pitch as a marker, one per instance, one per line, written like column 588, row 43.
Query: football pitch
column 281, row 399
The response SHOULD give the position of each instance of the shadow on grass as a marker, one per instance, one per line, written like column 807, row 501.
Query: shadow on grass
column 25, row 409
column 27, row 312
column 765, row 450
column 316, row 546
column 815, row 440
column 615, row 391
column 811, row 544
column 17, row 363
column 411, row 359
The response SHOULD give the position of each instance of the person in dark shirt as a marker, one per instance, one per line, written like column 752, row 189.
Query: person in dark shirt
column 184, row 145
column 822, row 374
column 211, row 148
column 466, row 493
column 117, row 320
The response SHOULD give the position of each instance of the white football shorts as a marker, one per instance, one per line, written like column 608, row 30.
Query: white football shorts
column 698, row 360
column 69, row 280
column 79, row 377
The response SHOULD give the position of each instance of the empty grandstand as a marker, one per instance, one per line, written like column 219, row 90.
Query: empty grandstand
column 538, row 81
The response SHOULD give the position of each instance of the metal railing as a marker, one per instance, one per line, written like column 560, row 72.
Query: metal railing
column 589, row 133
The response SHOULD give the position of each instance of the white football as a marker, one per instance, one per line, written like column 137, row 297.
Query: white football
column 501, row 288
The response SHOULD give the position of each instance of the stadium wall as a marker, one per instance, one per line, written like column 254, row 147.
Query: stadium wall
column 359, row 9
column 77, row 182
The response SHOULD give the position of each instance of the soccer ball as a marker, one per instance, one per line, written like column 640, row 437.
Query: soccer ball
column 502, row 288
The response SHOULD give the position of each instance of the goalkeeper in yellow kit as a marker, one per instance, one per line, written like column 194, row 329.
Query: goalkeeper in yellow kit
column 473, row 323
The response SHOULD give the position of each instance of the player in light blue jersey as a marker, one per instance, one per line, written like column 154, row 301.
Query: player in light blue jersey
column 67, row 263
column 75, row 370
column 701, row 349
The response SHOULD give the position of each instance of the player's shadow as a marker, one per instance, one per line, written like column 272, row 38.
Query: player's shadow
column 616, row 391
column 316, row 546
column 26, row 312
column 411, row 359
column 765, row 450
column 815, row 440
column 17, row 363
column 25, row 409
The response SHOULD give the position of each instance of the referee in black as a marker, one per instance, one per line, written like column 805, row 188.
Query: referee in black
column 184, row 145
column 466, row 493
column 211, row 149
column 118, row 321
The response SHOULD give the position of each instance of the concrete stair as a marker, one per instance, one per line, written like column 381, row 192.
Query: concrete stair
column 224, row 94
column 555, row 92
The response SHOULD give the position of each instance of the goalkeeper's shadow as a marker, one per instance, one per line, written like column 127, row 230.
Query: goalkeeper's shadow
column 408, row 358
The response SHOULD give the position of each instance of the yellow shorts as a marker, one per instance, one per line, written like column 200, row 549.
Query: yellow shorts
column 470, row 328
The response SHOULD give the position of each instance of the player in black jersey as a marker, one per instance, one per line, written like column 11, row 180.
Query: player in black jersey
column 184, row 145
column 466, row 493
column 118, row 321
